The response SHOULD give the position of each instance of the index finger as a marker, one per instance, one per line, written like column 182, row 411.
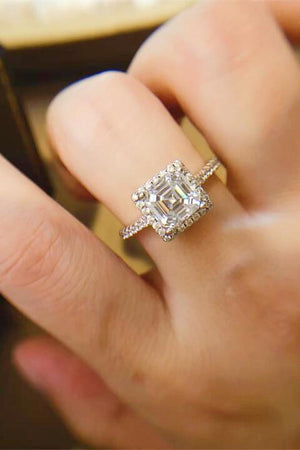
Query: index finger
column 68, row 282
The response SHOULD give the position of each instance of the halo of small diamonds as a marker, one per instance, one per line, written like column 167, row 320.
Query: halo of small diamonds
column 159, row 202
column 172, row 200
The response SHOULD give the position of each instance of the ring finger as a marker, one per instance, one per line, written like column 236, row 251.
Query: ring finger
column 113, row 135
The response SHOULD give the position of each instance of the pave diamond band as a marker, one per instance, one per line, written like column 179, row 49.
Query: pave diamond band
column 172, row 200
column 207, row 170
column 135, row 227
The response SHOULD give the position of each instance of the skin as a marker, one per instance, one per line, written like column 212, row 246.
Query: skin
column 204, row 351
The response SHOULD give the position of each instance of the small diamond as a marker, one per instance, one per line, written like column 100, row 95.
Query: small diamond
column 171, row 168
column 167, row 238
column 155, row 226
column 140, row 204
column 177, row 164
column 161, row 231
column 145, row 210
column 189, row 222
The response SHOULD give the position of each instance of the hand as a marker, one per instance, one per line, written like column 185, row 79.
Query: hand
column 204, row 352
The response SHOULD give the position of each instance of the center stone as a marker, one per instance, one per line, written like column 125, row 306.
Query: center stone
column 172, row 199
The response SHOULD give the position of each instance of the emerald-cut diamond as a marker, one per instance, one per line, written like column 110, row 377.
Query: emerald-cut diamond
column 172, row 200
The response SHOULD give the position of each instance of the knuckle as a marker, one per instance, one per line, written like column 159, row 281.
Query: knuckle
column 74, row 98
column 277, row 113
column 30, row 254
column 113, row 95
column 213, row 37
column 232, row 47
column 264, row 292
column 87, row 113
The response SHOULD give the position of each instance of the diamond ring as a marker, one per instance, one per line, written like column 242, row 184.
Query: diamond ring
column 172, row 200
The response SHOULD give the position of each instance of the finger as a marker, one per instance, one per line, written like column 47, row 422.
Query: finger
column 62, row 277
column 236, row 77
column 113, row 135
column 287, row 14
column 87, row 405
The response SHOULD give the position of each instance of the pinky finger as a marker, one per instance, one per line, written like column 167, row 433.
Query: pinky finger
column 88, row 407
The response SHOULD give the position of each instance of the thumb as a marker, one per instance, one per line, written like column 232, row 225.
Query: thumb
column 89, row 408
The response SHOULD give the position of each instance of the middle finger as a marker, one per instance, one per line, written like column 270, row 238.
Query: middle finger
column 228, row 67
